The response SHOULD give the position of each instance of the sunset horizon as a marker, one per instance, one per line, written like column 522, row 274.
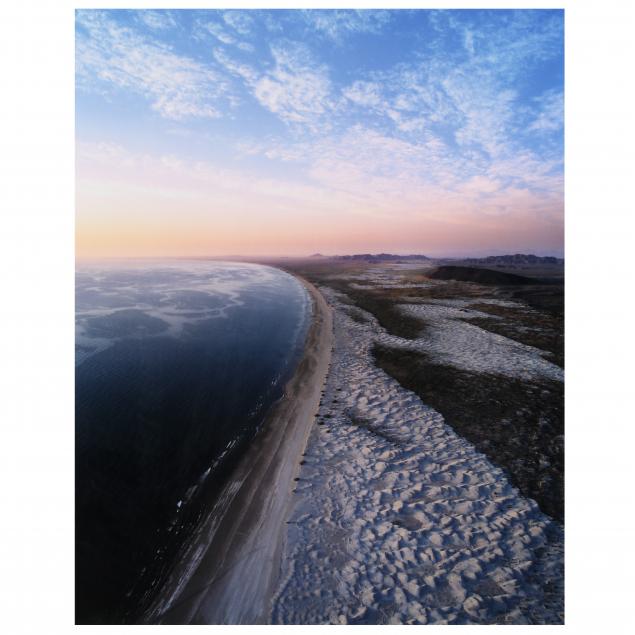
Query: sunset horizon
column 284, row 133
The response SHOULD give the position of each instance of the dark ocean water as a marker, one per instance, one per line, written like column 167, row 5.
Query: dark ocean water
column 176, row 366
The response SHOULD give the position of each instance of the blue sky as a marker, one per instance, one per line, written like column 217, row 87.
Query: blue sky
column 426, row 128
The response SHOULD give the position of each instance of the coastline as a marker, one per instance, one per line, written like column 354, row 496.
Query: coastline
column 231, row 568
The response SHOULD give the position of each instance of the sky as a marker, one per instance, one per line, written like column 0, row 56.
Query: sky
column 293, row 132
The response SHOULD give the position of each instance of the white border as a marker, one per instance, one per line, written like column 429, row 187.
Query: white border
column 36, row 460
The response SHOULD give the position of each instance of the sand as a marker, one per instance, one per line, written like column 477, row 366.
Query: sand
column 452, row 340
column 398, row 519
column 231, row 569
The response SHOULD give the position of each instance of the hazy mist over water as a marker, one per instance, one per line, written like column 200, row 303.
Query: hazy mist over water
column 177, row 364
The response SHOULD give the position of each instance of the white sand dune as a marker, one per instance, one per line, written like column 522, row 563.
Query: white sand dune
column 397, row 519
column 452, row 340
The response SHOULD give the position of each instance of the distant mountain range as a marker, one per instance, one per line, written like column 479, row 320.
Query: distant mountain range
column 515, row 259
column 375, row 257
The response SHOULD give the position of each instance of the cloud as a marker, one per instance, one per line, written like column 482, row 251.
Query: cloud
column 481, row 185
column 297, row 89
column 156, row 20
column 486, row 114
column 209, row 182
column 364, row 93
column 372, row 192
column 551, row 112
column 468, row 41
column 461, row 107
column 249, row 74
column 376, row 170
column 337, row 24
column 231, row 30
column 246, row 47
column 112, row 56
column 100, row 151
column 219, row 33
column 240, row 21
column 428, row 122
column 511, row 40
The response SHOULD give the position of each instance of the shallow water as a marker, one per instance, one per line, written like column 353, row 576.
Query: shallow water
column 177, row 364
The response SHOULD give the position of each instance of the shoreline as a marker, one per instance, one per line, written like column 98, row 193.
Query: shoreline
column 231, row 569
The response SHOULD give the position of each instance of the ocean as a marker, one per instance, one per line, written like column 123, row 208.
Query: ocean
column 177, row 364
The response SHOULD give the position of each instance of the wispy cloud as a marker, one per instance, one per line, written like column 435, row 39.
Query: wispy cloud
column 551, row 112
column 109, row 55
column 212, row 184
column 220, row 33
column 364, row 94
column 297, row 89
column 240, row 21
column 293, row 86
column 338, row 24
column 157, row 20
column 249, row 74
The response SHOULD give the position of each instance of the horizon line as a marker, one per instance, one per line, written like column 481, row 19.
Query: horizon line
column 320, row 255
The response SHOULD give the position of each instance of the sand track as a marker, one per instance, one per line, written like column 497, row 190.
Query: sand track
column 230, row 572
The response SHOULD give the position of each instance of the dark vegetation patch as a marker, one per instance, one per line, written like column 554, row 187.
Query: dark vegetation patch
column 441, row 291
column 376, row 258
column 518, row 425
column 387, row 312
column 374, row 301
column 477, row 274
column 534, row 328
column 408, row 522
column 356, row 315
column 544, row 330
column 540, row 293
column 516, row 260
column 548, row 298
column 367, row 424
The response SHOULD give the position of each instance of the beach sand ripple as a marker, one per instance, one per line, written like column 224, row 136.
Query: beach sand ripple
column 396, row 518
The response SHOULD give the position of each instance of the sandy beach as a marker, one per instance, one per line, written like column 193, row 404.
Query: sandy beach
column 231, row 568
